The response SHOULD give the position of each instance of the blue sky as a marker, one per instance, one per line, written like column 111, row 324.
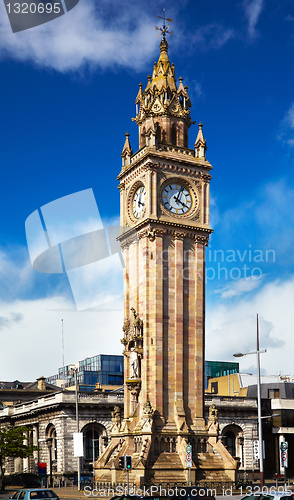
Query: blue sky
column 67, row 97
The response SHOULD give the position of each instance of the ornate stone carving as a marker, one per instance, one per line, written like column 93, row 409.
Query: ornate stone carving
column 205, row 177
column 147, row 409
column 116, row 419
column 202, row 239
column 178, row 236
column 213, row 425
column 134, row 387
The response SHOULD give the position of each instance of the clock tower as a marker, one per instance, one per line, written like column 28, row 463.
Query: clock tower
column 164, row 190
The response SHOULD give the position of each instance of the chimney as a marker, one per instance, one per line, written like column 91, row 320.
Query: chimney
column 41, row 383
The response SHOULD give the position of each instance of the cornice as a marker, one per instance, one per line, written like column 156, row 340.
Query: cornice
column 153, row 228
column 182, row 160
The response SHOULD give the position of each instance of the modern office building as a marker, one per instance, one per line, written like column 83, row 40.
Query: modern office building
column 219, row 369
column 103, row 369
column 107, row 370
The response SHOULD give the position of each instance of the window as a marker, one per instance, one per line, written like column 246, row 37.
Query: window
column 42, row 494
column 158, row 134
column 273, row 393
column 173, row 134
column 231, row 443
column 214, row 387
column 90, row 438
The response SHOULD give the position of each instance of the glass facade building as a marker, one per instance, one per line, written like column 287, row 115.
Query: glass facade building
column 108, row 369
column 105, row 369
column 218, row 369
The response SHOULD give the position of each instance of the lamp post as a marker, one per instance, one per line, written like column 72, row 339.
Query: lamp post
column 257, row 352
column 49, row 444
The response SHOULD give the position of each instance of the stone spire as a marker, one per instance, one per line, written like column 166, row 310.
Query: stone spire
column 200, row 144
column 163, row 104
column 127, row 151
column 163, row 77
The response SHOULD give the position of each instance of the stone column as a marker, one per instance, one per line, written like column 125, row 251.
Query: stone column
column 178, row 346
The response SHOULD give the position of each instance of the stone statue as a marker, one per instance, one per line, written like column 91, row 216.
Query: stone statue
column 213, row 425
column 213, row 413
column 134, row 363
column 116, row 415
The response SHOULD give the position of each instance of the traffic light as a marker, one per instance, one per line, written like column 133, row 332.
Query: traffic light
column 122, row 462
column 128, row 461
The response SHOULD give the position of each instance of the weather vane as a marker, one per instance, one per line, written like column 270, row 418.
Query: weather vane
column 165, row 28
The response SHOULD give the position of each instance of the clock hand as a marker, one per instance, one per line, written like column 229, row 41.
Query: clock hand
column 180, row 192
column 182, row 203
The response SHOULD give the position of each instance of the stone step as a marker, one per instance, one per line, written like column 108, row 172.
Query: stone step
column 167, row 461
column 209, row 461
column 167, row 465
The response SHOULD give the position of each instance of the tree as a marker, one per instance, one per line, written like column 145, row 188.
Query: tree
column 12, row 446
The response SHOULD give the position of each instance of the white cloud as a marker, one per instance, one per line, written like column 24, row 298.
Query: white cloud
column 232, row 328
column 212, row 36
column 253, row 9
column 265, row 213
column 33, row 346
column 30, row 329
column 105, row 36
column 286, row 129
column 239, row 287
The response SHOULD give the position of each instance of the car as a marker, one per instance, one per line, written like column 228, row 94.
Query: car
column 34, row 494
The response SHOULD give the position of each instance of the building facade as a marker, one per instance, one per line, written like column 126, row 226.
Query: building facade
column 51, row 422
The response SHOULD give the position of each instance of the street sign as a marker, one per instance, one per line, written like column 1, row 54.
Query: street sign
column 188, row 455
column 284, row 453
column 256, row 450
column 78, row 444
column 42, row 468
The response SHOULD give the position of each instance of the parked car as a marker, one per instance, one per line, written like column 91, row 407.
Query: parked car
column 35, row 494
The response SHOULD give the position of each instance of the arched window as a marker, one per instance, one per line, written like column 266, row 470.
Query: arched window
column 143, row 138
column 52, row 446
column 186, row 139
column 231, row 442
column 158, row 134
column 173, row 134
column 95, row 440
column 91, row 441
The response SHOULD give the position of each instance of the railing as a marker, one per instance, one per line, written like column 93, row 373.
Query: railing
column 57, row 398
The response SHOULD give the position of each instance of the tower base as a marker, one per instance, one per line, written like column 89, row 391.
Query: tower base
column 159, row 456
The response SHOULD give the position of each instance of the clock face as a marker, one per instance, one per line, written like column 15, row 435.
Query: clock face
column 176, row 198
column 139, row 202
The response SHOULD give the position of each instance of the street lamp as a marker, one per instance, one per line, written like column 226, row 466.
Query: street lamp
column 49, row 444
column 257, row 352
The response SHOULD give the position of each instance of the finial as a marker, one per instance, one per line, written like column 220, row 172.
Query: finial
column 164, row 30
column 149, row 78
column 200, row 125
column 127, row 134
column 181, row 79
